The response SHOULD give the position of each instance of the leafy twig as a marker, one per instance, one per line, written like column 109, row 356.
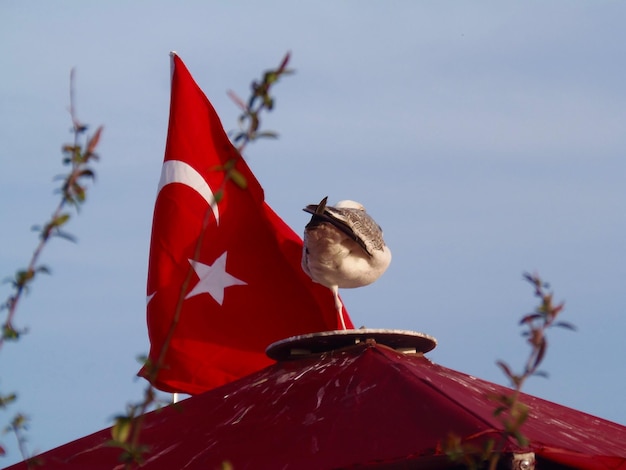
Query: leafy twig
column 17, row 426
column 73, row 192
column 260, row 100
column 510, row 411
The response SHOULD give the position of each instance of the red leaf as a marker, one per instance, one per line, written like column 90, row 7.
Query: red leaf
column 530, row 317
column 285, row 61
column 238, row 101
column 542, row 351
column 93, row 142
column 505, row 368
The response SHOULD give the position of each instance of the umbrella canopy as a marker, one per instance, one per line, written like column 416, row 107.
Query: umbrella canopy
column 365, row 405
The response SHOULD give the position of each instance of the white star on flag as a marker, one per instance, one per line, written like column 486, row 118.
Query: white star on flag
column 213, row 279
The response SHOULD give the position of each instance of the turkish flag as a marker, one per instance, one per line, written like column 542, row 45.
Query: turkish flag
column 224, row 274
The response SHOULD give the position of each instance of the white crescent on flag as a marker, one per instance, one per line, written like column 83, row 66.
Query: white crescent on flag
column 176, row 171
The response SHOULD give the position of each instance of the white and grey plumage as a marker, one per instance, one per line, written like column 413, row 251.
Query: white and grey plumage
column 343, row 247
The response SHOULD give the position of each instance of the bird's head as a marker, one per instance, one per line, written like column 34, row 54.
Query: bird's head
column 347, row 204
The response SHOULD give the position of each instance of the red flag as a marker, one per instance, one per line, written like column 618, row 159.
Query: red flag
column 245, row 286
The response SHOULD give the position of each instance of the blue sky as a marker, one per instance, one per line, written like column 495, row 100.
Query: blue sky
column 486, row 139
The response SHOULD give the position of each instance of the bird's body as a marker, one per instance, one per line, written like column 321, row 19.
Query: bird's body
column 343, row 247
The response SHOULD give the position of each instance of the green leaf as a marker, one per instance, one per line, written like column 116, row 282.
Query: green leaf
column 522, row 440
column 489, row 446
column 7, row 399
column 22, row 277
column 255, row 122
column 268, row 101
column 120, row 431
column 19, row 421
column 67, row 148
column 65, row 235
column 9, row 333
column 142, row 359
column 43, row 269
column 60, row 220
column 267, row 134
column 219, row 195
column 77, row 194
column 270, row 77
column 239, row 136
column 238, row 178
column 567, row 325
column 499, row 410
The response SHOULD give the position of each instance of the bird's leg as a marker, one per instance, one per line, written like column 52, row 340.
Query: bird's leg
column 338, row 306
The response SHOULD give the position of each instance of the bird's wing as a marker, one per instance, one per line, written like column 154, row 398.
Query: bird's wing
column 365, row 229
column 355, row 223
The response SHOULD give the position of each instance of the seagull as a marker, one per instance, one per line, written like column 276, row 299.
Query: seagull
column 343, row 247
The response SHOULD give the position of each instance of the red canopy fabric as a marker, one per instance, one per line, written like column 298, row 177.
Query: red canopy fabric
column 365, row 406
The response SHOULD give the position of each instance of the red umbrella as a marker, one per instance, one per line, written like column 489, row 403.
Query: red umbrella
column 358, row 405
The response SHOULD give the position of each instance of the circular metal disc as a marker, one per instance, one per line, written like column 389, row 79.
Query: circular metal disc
column 317, row 343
